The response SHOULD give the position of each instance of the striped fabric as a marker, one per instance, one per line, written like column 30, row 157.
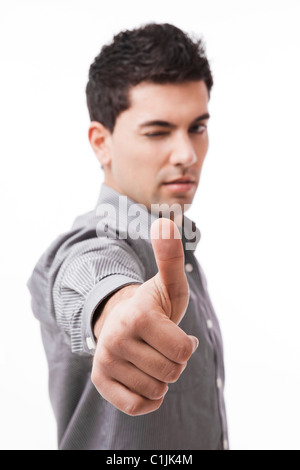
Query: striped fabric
column 87, row 264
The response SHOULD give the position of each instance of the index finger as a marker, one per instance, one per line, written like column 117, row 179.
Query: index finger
column 167, row 338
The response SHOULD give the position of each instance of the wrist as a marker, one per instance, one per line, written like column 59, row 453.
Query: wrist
column 105, row 308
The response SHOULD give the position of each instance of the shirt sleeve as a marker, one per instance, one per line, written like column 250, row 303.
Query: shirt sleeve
column 93, row 270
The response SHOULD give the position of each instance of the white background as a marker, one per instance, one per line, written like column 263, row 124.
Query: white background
column 247, row 207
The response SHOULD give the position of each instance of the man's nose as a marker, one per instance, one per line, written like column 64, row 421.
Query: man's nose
column 183, row 152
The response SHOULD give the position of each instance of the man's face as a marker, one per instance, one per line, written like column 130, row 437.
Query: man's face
column 161, row 138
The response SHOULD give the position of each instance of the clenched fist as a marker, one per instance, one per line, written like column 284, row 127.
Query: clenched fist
column 140, row 346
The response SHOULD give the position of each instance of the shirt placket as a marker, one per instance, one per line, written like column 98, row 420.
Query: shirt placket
column 192, row 269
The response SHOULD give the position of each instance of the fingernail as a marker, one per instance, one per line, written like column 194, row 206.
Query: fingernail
column 196, row 344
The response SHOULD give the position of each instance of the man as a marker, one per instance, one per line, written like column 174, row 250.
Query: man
column 132, row 340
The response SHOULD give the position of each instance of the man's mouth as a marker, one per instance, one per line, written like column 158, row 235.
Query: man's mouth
column 180, row 184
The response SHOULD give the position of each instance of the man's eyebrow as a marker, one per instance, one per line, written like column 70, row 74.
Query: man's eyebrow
column 204, row 117
column 159, row 123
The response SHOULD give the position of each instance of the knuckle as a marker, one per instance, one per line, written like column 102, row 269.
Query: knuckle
column 96, row 378
column 117, row 344
column 157, row 391
column 138, row 320
column 172, row 373
column 132, row 408
column 105, row 360
column 183, row 351
column 141, row 406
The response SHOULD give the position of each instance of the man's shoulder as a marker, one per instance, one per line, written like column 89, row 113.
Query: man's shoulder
column 89, row 233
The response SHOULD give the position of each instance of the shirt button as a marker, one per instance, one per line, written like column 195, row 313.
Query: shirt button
column 90, row 343
column 225, row 444
column 219, row 383
column 210, row 324
column 189, row 267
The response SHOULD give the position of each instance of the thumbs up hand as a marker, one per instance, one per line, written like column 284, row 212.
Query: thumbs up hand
column 140, row 346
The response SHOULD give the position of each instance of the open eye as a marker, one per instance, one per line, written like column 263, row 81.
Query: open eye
column 198, row 129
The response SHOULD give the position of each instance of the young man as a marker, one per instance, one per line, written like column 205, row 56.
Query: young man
column 132, row 340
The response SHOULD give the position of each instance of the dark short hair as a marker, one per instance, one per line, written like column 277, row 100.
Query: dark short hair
column 155, row 53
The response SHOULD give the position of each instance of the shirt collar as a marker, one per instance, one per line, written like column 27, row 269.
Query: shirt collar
column 128, row 217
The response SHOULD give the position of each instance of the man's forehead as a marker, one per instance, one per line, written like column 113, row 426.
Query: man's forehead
column 150, row 101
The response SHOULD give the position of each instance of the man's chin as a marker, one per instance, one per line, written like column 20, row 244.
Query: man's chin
column 172, row 208
column 183, row 201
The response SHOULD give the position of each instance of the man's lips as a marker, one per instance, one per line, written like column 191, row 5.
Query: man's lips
column 181, row 181
column 180, row 185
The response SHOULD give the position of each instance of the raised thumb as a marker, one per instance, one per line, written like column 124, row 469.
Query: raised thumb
column 169, row 255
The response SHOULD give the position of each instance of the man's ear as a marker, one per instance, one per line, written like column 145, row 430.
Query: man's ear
column 99, row 137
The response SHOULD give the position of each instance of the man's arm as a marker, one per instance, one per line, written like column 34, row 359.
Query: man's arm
column 140, row 347
column 90, row 272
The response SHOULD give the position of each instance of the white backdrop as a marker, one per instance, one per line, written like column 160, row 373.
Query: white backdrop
column 247, row 207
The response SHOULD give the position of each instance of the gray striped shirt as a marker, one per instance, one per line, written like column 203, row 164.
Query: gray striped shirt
column 73, row 277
